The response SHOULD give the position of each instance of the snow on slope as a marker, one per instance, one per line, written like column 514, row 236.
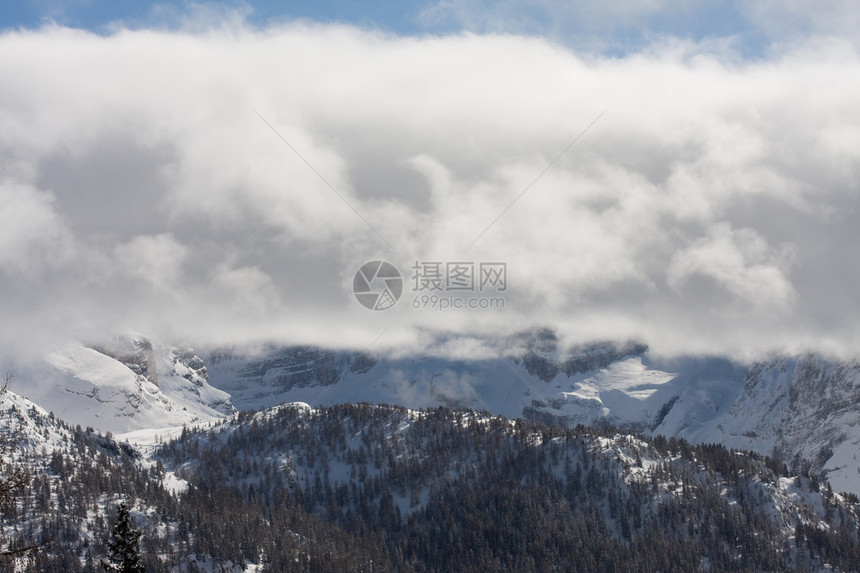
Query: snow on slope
column 22, row 423
column 131, row 383
column 806, row 409
column 602, row 383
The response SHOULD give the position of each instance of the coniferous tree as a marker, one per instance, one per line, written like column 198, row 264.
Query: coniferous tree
column 123, row 546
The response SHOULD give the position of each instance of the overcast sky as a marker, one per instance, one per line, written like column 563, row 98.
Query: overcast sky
column 678, row 172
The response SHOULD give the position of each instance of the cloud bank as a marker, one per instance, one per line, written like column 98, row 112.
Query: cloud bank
column 222, row 186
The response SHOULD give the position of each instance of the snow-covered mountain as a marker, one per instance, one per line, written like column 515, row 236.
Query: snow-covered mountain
column 66, row 504
column 126, row 383
column 620, row 384
column 384, row 488
column 804, row 409
column 529, row 377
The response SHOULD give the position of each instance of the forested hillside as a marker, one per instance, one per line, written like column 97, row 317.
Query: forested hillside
column 445, row 490
column 379, row 488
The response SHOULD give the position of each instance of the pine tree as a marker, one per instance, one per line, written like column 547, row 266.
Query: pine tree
column 124, row 556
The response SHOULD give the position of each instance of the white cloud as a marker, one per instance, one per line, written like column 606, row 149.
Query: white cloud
column 154, row 259
column 144, row 191
column 247, row 289
column 32, row 234
column 740, row 261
